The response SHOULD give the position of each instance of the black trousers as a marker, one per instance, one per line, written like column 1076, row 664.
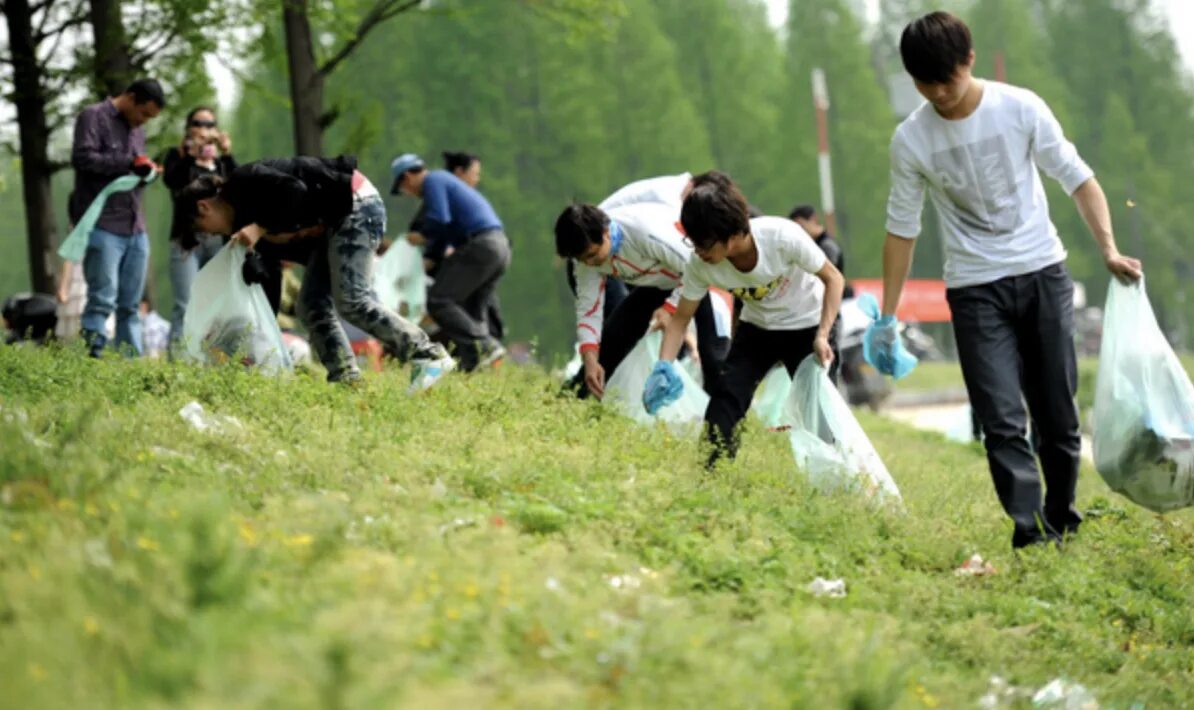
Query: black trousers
column 1016, row 344
column 628, row 323
column 754, row 352
column 459, row 299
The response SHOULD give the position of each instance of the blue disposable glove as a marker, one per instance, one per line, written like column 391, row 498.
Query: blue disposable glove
column 881, row 344
column 663, row 387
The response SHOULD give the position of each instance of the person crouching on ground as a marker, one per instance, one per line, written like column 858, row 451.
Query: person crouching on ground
column 790, row 291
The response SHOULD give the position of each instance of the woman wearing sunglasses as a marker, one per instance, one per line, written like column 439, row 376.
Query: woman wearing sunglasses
column 204, row 150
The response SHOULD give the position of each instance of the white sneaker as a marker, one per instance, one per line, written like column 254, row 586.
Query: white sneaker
column 425, row 373
column 491, row 356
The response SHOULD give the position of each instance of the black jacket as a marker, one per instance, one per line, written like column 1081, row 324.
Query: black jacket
column 289, row 194
column 180, row 170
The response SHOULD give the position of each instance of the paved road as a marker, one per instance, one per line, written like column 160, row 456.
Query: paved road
column 951, row 419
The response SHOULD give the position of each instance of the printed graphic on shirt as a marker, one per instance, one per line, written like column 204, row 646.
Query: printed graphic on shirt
column 758, row 293
column 980, row 180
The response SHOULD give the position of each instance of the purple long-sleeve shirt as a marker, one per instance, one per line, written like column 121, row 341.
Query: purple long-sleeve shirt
column 103, row 150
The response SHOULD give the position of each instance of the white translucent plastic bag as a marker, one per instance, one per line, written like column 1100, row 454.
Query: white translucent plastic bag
column 227, row 319
column 827, row 441
column 624, row 390
column 400, row 281
column 1144, row 407
column 772, row 397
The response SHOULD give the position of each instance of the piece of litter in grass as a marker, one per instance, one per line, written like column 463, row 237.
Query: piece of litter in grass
column 1064, row 695
column 194, row 415
column 832, row 588
column 1001, row 694
column 976, row 566
column 456, row 525
column 625, row 581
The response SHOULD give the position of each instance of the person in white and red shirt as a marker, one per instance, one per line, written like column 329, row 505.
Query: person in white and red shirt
column 639, row 244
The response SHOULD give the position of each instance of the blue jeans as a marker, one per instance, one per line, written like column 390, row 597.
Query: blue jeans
column 184, row 264
column 114, row 267
column 339, row 279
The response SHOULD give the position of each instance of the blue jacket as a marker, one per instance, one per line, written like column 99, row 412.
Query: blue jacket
column 453, row 212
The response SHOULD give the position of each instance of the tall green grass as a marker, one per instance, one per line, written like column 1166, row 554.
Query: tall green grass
column 490, row 543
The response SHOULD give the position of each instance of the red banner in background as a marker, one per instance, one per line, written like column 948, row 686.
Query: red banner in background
column 923, row 300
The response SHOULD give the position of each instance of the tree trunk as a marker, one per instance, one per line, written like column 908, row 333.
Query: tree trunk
column 306, row 82
column 113, row 59
column 29, row 97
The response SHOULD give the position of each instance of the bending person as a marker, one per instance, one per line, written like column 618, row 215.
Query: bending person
column 329, row 208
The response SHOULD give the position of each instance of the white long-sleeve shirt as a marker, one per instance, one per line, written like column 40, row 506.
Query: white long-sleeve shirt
column 652, row 253
column 981, row 174
column 665, row 190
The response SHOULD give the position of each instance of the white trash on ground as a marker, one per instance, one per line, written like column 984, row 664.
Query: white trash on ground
column 821, row 587
column 976, row 566
column 194, row 414
column 1061, row 694
column 827, row 441
column 1144, row 407
column 624, row 390
column 227, row 318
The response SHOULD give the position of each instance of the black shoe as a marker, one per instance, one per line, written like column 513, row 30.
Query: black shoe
column 96, row 342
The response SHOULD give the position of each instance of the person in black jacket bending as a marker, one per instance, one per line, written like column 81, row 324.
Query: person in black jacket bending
column 205, row 150
column 327, row 208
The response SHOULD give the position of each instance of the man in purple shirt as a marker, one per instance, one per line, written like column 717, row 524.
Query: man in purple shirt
column 109, row 143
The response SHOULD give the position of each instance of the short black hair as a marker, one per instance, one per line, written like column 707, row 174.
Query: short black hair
column 577, row 228
column 186, row 202
column 713, row 213
column 934, row 46
column 802, row 212
column 458, row 160
column 145, row 90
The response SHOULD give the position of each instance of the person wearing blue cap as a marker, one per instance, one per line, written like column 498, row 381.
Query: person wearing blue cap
column 456, row 215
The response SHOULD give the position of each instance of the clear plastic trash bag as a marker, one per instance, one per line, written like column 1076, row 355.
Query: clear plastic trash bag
column 624, row 390
column 827, row 441
column 400, row 281
column 772, row 397
column 1144, row 407
column 228, row 320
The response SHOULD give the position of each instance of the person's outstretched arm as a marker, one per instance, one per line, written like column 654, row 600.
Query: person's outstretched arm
column 1092, row 205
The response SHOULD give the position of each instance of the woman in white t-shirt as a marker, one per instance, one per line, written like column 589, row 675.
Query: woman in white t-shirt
column 790, row 293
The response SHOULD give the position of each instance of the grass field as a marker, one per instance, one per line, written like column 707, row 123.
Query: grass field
column 489, row 543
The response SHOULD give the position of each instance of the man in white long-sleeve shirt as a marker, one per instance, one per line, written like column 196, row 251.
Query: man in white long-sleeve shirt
column 639, row 244
column 975, row 147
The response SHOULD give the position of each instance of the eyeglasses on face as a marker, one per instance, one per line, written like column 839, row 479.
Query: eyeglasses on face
column 203, row 124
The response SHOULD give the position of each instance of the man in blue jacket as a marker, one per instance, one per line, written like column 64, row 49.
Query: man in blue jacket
column 457, row 216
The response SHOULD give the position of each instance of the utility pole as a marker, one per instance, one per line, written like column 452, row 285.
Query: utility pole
column 821, row 104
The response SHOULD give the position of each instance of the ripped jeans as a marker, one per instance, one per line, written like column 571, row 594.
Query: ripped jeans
column 339, row 279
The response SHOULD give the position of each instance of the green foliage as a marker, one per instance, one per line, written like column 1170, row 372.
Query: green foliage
column 490, row 543
column 827, row 34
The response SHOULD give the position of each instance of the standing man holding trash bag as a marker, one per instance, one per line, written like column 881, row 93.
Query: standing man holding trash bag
column 976, row 147
column 109, row 143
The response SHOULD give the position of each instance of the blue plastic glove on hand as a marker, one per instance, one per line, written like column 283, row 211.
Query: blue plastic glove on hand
column 882, row 346
column 663, row 387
